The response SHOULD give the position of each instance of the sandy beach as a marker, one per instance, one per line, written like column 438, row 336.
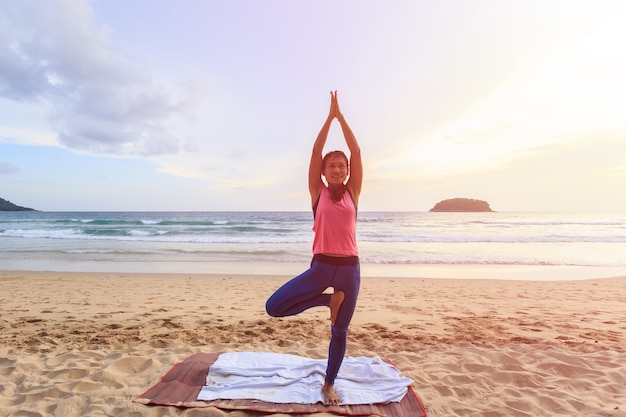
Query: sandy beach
column 87, row 344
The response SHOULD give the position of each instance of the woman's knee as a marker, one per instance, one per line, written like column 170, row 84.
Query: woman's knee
column 271, row 307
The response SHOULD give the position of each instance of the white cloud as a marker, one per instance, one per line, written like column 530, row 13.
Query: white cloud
column 7, row 168
column 100, row 101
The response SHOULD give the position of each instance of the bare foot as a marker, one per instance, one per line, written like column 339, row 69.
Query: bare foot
column 336, row 300
column 330, row 396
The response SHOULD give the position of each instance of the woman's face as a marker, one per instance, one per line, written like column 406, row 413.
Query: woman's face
column 336, row 170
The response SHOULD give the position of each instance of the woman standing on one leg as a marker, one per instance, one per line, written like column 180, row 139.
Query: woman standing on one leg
column 335, row 254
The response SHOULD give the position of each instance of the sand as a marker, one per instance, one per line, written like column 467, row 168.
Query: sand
column 86, row 344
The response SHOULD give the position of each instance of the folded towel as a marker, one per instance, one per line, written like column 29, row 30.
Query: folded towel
column 284, row 378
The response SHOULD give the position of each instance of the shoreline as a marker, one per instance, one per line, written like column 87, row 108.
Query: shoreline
column 88, row 343
column 440, row 271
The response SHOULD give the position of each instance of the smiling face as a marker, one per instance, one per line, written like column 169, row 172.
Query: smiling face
column 335, row 168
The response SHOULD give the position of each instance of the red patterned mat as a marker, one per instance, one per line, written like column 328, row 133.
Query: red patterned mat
column 181, row 385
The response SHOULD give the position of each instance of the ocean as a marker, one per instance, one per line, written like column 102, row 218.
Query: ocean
column 402, row 243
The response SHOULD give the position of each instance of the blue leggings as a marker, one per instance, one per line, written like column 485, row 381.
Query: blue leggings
column 306, row 291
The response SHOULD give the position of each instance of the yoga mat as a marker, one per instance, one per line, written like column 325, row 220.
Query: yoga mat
column 181, row 385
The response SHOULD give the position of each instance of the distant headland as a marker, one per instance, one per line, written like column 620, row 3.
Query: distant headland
column 8, row 206
column 461, row 205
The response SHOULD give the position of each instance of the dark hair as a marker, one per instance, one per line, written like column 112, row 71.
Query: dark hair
column 333, row 154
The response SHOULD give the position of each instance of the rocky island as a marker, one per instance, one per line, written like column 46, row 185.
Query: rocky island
column 461, row 205
column 8, row 206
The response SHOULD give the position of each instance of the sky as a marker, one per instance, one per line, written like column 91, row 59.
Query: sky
column 154, row 105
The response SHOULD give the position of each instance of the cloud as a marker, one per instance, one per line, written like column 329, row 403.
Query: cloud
column 100, row 100
column 7, row 168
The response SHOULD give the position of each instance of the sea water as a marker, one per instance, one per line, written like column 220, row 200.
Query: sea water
column 224, row 241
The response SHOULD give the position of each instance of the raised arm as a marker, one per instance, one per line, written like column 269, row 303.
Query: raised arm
column 356, row 165
column 315, row 165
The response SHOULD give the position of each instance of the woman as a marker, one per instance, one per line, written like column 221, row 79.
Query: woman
column 335, row 254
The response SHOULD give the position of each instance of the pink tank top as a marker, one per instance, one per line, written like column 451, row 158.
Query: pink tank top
column 335, row 225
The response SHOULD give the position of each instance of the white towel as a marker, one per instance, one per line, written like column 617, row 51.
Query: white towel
column 283, row 378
